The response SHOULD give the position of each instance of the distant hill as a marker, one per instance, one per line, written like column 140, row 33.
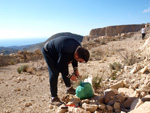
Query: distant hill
column 40, row 45
column 7, row 50
column 13, row 49
column 21, row 47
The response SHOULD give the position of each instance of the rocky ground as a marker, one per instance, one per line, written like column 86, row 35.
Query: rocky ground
column 119, row 91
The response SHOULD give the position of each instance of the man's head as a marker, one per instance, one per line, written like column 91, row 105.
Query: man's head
column 82, row 54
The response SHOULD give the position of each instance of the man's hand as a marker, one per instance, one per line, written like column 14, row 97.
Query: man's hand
column 76, row 73
column 73, row 78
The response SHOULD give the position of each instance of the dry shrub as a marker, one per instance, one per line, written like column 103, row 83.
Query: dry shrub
column 113, row 74
column 7, row 60
column 22, row 68
column 102, row 74
column 115, row 66
column 13, row 62
column 98, row 53
column 129, row 57
column 96, row 81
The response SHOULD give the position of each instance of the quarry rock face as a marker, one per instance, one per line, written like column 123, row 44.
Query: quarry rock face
column 115, row 30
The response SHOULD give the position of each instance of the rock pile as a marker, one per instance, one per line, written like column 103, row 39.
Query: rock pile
column 120, row 98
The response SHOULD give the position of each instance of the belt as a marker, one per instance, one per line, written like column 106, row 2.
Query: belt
column 45, row 46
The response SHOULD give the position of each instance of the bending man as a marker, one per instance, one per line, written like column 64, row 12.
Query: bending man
column 58, row 53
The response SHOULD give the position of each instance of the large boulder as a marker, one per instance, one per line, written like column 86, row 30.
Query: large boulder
column 144, row 108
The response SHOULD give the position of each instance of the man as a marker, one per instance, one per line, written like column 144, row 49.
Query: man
column 143, row 31
column 58, row 53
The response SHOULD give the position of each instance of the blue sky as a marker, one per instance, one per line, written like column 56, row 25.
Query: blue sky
column 43, row 18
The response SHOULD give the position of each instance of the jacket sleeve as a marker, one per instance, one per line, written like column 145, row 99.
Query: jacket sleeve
column 62, row 64
column 74, row 63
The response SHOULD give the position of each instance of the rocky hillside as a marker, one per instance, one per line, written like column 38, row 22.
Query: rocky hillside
column 115, row 30
column 20, row 57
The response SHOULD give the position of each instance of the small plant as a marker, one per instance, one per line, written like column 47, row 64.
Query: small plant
column 12, row 62
column 113, row 75
column 19, row 70
column 96, row 81
column 22, row 68
column 115, row 66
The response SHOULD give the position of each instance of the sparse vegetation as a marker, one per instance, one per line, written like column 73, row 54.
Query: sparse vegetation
column 115, row 66
column 113, row 74
column 7, row 60
column 12, row 62
column 96, row 81
column 98, row 54
column 129, row 58
column 22, row 68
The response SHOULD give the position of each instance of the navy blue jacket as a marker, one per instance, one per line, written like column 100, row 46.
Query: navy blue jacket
column 61, row 50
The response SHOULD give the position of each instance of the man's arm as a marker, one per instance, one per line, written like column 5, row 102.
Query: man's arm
column 75, row 67
column 62, row 64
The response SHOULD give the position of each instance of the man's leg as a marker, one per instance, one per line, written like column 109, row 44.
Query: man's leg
column 143, row 36
column 53, row 79
column 67, row 82
column 53, row 73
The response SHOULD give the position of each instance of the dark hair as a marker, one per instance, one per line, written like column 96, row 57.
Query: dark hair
column 83, row 53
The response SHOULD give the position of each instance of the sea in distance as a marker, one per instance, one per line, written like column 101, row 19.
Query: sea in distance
column 20, row 41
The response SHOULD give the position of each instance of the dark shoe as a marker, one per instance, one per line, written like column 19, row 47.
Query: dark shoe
column 56, row 101
column 71, row 90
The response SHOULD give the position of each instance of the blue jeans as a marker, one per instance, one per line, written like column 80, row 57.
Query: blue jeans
column 54, row 73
